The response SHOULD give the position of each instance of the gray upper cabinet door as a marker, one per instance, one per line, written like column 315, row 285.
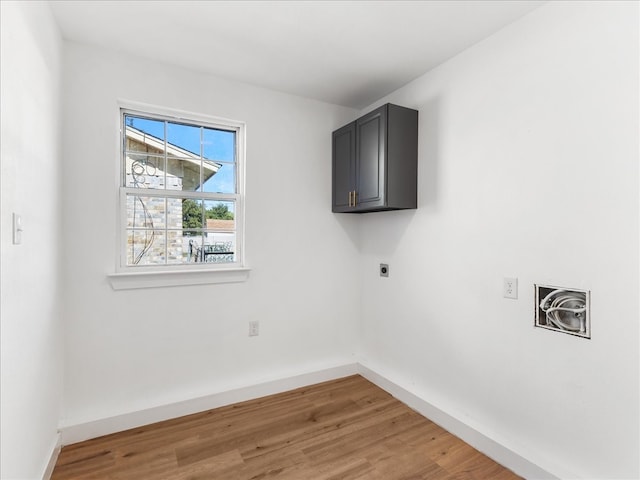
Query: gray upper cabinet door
column 344, row 167
column 370, row 160
column 375, row 162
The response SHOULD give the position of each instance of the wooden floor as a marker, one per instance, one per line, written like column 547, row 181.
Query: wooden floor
column 340, row 430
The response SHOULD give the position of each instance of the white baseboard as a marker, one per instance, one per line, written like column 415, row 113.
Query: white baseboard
column 48, row 471
column 84, row 431
column 501, row 454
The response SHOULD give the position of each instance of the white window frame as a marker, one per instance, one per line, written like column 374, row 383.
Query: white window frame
column 139, row 276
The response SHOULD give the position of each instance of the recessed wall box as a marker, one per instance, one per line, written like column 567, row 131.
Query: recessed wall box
column 562, row 309
column 384, row 270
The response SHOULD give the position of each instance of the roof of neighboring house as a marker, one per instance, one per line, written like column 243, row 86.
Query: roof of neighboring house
column 218, row 224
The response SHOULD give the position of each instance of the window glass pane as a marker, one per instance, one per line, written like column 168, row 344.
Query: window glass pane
column 183, row 140
column 144, row 171
column 146, row 247
column 219, row 215
column 183, row 173
column 147, row 212
column 145, row 130
column 219, row 177
column 136, row 142
column 220, row 236
column 175, row 213
column 219, row 145
column 192, row 214
column 177, row 247
column 192, row 241
column 219, row 247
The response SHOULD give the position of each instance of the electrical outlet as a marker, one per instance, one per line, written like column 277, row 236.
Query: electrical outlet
column 510, row 288
column 254, row 329
column 384, row 270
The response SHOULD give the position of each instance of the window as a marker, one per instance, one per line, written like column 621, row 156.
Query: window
column 181, row 202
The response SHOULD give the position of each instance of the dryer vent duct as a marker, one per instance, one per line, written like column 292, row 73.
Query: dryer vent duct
column 563, row 310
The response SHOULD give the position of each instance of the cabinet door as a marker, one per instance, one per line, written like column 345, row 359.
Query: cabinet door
column 370, row 159
column 344, row 156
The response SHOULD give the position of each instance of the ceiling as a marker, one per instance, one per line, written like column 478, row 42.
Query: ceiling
column 349, row 53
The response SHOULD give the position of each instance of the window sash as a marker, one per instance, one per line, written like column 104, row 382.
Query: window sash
column 237, row 130
column 124, row 229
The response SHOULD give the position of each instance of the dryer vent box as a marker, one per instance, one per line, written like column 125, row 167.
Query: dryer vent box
column 563, row 309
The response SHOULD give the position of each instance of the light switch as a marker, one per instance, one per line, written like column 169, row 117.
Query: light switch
column 17, row 229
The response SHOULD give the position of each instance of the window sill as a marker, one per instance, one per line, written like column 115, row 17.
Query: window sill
column 133, row 280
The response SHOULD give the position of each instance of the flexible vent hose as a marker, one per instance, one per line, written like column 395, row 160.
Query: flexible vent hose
column 566, row 310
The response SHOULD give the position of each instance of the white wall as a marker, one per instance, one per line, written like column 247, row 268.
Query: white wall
column 31, row 330
column 528, row 158
column 136, row 349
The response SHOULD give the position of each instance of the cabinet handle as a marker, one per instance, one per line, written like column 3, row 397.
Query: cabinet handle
column 355, row 201
column 351, row 199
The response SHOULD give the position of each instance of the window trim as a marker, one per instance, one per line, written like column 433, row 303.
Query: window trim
column 148, row 276
column 135, row 280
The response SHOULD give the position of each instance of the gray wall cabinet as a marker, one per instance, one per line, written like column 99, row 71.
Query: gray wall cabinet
column 375, row 162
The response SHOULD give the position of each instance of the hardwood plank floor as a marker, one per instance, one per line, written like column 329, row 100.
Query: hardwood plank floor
column 346, row 429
